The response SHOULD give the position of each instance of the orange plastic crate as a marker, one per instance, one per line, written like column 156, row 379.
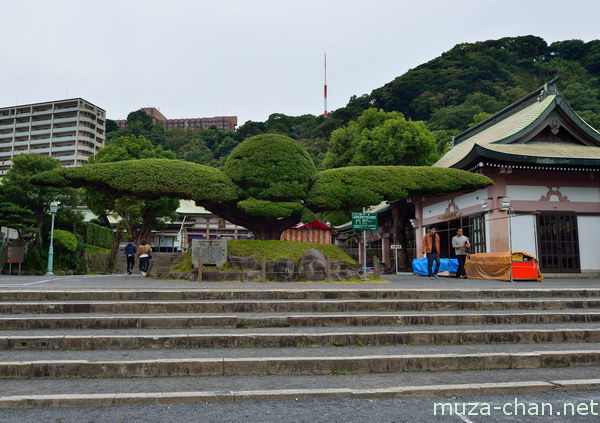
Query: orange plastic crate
column 524, row 270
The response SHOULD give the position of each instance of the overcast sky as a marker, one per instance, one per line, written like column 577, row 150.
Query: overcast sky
column 248, row 58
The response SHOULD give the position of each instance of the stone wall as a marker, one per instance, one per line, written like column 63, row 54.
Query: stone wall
column 313, row 266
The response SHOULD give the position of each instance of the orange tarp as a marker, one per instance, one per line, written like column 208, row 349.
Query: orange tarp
column 496, row 265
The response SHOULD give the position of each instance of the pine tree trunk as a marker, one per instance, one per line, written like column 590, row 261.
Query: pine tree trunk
column 112, row 258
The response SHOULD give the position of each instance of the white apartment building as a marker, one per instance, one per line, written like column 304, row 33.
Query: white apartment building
column 69, row 130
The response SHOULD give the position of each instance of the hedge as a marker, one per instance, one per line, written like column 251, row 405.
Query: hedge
column 97, row 235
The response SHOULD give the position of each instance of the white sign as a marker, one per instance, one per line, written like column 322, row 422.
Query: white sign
column 396, row 247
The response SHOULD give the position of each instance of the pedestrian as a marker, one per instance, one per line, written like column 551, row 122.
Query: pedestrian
column 130, row 250
column 431, row 247
column 461, row 246
column 144, row 254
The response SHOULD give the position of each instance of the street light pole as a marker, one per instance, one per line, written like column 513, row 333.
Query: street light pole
column 53, row 209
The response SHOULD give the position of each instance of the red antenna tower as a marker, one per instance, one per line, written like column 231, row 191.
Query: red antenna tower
column 325, row 89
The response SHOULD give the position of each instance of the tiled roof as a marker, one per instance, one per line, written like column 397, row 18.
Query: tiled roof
column 499, row 132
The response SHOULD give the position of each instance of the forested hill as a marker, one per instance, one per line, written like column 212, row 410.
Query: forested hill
column 482, row 77
column 449, row 93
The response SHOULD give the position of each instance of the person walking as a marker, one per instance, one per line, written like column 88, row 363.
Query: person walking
column 130, row 250
column 461, row 246
column 431, row 247
column 144, row 255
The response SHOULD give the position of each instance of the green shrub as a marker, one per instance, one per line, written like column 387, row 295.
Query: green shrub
column 97, row 235
column 65, row 239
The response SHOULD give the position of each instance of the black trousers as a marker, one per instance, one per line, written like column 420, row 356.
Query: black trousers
column 130, row 263
column 461, row 266
column 144, row 262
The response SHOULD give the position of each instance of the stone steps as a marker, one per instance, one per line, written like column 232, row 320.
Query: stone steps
column 188, row 335
column 181, row 390
column 271, row 320
column 323, row 365
column 252, row 339
column 168, row 294
column 292, row 306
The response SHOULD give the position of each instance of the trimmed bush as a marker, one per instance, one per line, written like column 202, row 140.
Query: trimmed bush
column 349, row 188
column 66, row 240
column 97, row 235
column 271, row 167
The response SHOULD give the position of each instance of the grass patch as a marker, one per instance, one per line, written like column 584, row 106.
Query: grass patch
column 339, row 372
column 272, row 250
column 183, row 263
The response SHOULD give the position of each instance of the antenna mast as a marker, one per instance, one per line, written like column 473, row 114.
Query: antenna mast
column 325, row 89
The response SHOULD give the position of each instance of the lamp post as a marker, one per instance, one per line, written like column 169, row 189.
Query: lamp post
column 53, row 209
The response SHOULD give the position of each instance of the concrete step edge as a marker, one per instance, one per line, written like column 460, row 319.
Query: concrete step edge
column 261, row 339
column 408, row 293
column 324, row 365
column 115, row 399
column 173, row 321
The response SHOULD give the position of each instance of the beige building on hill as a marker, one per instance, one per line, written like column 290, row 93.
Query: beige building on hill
column 69, row 130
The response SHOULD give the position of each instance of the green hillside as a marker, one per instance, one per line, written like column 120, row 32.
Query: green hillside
column 451, row 92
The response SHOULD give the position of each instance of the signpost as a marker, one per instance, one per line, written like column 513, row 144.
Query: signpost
column 364, row 222
column 396, row 247
column 15, row 255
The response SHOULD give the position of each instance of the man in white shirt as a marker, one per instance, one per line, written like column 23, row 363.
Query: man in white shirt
column 460, row 243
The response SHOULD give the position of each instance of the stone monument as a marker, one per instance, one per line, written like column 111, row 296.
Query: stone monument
column 212, row 251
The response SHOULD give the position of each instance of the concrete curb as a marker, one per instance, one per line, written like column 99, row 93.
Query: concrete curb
column 81, row 400
column 294, row 305
column 321, row 320
column 131, row 294
column 269, row 340
column 296, row 365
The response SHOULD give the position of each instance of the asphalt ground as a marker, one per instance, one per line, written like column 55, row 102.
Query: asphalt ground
column 388, row 281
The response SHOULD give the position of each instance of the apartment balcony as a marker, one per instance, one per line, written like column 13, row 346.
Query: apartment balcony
column 42, row 112
column 6, row 125
column 63, row 148
column 66, row 119
column 65, row 158
column 18, row 115
column 8, row 135
column 41, row 150
column 20, row 143
column 41, row 122
column 40, row 131
column 4, row 154
column 40, row 141
column 66, row 109
column 63, row 138
column 65, row 129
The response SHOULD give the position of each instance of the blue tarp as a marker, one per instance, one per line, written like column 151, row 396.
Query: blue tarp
column 420, row 266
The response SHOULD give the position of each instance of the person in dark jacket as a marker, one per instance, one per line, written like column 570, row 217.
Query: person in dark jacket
column 130, row 250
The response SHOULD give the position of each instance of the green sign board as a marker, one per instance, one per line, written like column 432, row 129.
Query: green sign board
column 364, row 221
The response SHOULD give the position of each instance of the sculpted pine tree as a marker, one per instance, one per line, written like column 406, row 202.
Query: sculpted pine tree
column 268, row 184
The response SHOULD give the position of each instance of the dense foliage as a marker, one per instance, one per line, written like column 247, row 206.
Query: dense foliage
column 354, row 187
column 265, row 199
column 380, row 138
column 65, row 240
column 271, row 167
column 96, row 235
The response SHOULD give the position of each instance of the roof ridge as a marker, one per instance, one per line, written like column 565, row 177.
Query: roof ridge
column 536, row 95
